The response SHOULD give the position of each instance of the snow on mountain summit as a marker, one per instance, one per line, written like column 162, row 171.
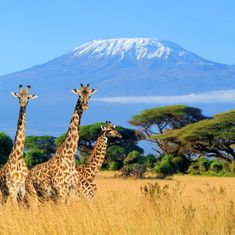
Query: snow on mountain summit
column 136, row 49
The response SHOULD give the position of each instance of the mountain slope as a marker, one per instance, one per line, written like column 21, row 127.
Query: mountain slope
column 129, row 67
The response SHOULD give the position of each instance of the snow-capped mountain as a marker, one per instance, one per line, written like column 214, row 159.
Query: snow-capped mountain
column 117, row 68
column 133, row 49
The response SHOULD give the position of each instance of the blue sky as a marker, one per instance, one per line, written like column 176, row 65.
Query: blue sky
column 33, row 32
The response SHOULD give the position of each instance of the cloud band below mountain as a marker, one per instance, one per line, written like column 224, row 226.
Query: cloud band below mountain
column 221, row 96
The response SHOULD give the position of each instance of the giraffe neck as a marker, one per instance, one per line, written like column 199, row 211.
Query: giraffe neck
column 68, row 148
column 97, row 156
column 18, row 146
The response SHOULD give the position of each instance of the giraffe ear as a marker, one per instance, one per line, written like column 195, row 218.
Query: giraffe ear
column 15, row 94
column 32, row 97
column 103, row 128
column 93, row 91
column 75, row 91
column 114, row 126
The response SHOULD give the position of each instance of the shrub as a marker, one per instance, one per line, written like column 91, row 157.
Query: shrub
column 115, row 166
column 204, row 164
column 217, row 166
column 135, row 170
column 150, row 160
column 194, row 169
column 134, row 157
column 166, row 166
column 181, row 163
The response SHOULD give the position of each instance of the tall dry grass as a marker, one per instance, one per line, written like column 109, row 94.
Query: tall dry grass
column 184, row 205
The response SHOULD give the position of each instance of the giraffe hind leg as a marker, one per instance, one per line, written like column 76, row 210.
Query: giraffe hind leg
column 4, row 195
column 30, row 197
column 89, row 190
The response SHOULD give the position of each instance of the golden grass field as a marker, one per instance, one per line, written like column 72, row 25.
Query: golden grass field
column 187, row 205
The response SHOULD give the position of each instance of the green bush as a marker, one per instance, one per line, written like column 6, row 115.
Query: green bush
column 217, row 166
column 166, row 166
column 113, row 166
column 200, row 166
column 150, row 160
column 134, row 157
column 181, row 163
column 194, row 169
column 204, row 164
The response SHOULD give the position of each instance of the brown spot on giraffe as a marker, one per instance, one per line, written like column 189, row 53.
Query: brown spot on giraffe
column 87, row 172
column 14, row 172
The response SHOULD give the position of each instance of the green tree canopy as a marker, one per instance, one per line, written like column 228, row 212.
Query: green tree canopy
column 35, row 156
column 159, row 120
column 5, row 147
column 42, row 143
column 213, row 137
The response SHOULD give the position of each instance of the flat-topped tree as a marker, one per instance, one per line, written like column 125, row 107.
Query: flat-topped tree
column 159, row 120
column 14, row 172
column 212, row 138
column 55, row 179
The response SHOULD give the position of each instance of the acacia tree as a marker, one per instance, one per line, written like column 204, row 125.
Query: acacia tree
column 160, row 120
column 212, row 138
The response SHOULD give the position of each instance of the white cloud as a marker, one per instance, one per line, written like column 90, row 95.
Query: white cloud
column 221, row 96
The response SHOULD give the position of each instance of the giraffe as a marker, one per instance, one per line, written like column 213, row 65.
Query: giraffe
column 87, row 172
column 14, row 172
column 55, row 179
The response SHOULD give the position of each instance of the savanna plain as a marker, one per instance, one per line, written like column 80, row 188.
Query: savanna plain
column 179, row 205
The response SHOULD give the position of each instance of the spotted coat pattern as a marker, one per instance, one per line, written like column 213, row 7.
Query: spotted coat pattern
column 87, row 172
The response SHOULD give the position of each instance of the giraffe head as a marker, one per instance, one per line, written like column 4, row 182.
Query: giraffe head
column 23, row 96
column 84, row 94
column 110, row 130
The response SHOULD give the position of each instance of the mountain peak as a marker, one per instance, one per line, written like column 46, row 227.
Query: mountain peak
column 137, row 49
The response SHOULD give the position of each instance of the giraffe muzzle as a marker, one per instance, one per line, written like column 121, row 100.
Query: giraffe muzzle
column 119, row 136
column 84, row 106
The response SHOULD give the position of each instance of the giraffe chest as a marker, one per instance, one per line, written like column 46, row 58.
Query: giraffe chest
column 17, row 171
column 18, row 174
